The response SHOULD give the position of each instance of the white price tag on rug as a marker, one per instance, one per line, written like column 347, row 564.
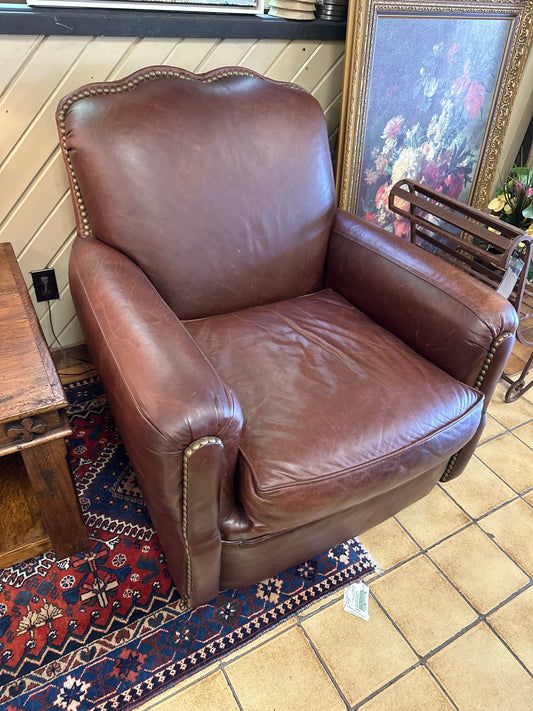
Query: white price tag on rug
column 356, row 600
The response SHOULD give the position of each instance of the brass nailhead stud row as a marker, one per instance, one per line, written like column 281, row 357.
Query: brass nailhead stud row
column 126, row 86
column 490, row 355
column 191, row 449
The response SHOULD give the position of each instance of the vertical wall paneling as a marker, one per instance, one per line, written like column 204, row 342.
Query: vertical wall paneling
column 35, row 72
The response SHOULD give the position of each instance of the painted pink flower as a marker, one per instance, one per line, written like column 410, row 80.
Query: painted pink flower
column 393, row 127
column 454, row 184
column 520, row 189
column 461, row 84
column 474, row 99
column 371, row 176
column 382, row 163
column 402, row 228
column 452, row 52
column 371, row 217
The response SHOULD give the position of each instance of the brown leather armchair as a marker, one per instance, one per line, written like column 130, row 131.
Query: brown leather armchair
column 284, row 375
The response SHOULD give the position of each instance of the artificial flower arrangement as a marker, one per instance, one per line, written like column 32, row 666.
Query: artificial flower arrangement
column 513, row 203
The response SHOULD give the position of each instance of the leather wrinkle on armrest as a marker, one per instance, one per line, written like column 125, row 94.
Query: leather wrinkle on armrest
column 150, row 334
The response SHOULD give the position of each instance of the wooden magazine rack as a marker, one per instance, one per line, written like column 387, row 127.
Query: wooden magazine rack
column 477, row 242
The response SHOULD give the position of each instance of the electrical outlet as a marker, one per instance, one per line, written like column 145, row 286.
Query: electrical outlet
column 45, row 283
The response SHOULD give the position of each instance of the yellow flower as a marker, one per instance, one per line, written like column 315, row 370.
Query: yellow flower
column 496, row 204
column 500, row 203
column 508, row 208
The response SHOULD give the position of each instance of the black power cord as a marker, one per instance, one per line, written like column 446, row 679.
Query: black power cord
column 87, row 371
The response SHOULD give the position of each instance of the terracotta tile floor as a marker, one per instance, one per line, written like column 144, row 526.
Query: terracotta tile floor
column 451, row 615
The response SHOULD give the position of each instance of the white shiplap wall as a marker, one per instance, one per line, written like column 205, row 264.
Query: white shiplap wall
column 35, row 72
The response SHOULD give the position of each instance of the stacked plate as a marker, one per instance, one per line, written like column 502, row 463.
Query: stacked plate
column 332, row 10
column 293, row 9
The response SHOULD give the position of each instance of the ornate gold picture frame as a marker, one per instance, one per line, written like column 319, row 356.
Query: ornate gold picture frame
column 428, row 89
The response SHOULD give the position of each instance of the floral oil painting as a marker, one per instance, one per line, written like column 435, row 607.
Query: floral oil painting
column 431, row 90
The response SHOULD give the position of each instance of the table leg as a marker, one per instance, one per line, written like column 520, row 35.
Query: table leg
column 52, row 483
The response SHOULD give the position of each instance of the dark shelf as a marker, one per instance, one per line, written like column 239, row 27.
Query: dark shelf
column 24, row 20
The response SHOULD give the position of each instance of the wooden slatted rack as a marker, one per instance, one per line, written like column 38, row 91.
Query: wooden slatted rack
column 477, row 242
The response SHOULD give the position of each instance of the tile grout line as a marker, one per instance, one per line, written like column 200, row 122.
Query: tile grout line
column 262, row 639
column 492, row 538
column 265, row 638
column 385, row 686
column 425, row 552
column 440, row 685
column 422, row 659
column 420, row 664
column 505, row 643
column 325, row 667
column 506, row 429
column 496, row 474
column 481, row 618
column 228, row 682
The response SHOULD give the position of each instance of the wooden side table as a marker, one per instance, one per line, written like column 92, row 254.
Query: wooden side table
column 39, row 509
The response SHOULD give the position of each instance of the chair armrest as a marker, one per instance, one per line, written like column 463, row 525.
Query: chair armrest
column 164, row 395
column 447, row 316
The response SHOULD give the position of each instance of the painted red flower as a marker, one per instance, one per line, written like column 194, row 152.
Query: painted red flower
column 454, row 184
column 474, row 99
column 382, row 196
column 433, row 174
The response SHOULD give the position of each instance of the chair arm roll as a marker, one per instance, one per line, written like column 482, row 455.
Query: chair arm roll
column 447, row 316
column 163, row 392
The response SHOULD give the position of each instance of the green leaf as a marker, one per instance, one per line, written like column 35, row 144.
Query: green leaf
column 528, row 211
column 522, row 172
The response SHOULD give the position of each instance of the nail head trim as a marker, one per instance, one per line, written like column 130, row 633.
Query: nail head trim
column 484, row 369
column 191, row 449
column 128, row 84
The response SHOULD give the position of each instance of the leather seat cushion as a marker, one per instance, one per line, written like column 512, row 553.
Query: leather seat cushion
column 323, row 427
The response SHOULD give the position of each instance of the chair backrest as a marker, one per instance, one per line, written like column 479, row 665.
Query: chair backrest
column 218, row 185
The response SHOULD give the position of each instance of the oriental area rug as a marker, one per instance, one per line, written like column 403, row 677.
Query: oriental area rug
column 106, row 629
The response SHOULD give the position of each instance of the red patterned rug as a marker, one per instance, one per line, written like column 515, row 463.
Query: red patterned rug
column 105, row 629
